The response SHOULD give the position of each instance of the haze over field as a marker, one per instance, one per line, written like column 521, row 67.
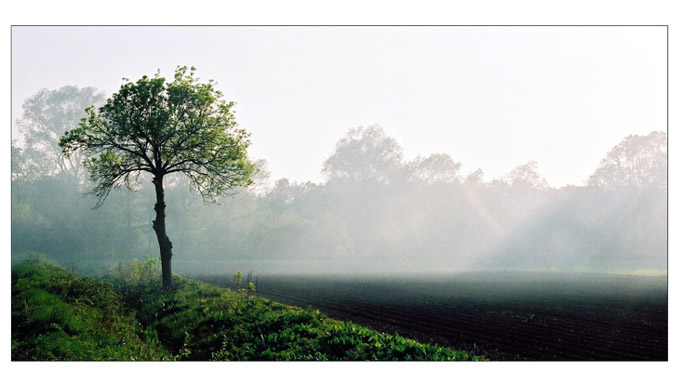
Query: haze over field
column 380, row 149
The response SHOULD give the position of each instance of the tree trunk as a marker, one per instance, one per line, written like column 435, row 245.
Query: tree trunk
column 159, row 227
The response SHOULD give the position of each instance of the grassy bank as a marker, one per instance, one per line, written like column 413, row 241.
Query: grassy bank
column 57, row 315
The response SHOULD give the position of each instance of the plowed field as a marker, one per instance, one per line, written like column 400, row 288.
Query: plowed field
column 506, row 316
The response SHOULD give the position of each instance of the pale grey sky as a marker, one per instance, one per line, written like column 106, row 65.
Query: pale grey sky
column 491, row 97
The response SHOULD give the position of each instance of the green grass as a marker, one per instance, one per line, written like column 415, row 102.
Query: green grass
column 57, row 315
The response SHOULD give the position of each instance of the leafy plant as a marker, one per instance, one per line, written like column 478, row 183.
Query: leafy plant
column 57, row 315
column 237, row 279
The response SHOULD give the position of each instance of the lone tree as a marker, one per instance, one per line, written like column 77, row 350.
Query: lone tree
column 158, row 127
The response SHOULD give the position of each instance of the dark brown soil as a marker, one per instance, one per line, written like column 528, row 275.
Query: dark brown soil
column 505, row 316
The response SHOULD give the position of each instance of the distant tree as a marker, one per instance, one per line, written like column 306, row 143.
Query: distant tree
column 435, row 168
column 261, row 183
column 46, row 116
column 158, row 127
column 18, row 161
column 638, row 161
column 526, row 176
column 364, row 154
column 475, row 178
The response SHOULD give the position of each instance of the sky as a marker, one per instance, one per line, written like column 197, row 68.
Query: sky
column 491, row 97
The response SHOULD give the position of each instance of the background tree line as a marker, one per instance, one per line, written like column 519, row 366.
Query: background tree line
column 376, row 211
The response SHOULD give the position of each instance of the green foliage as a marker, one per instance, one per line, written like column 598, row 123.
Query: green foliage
column 57, row 315
column 160, row 127
column 140, row 272
column 237, row 279
column 352, row 342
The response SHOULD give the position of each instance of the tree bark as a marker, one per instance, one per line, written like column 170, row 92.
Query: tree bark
column 159, row 227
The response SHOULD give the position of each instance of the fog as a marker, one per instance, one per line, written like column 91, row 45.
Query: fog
column 376, row 212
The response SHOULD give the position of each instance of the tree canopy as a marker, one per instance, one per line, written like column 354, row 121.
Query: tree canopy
column 637, row 161
column 153, row 126
column 364, row 154
column 160, row 128
column 526, row 176
column 47, row 115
